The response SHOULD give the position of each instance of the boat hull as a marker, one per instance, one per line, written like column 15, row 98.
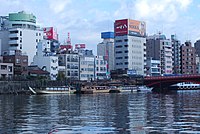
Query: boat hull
column 51, row 92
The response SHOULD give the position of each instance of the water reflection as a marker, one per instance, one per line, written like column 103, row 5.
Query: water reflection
column 101, row 113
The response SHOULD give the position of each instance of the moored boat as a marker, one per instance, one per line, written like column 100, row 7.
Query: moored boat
column 185, row 86
column 90, row 89
column 129, row 88
column 51, row 90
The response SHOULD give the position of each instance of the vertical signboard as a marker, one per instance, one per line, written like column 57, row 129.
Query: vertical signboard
column 50, row 33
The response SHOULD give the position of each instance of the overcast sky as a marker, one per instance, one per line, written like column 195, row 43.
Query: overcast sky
column 86, row 19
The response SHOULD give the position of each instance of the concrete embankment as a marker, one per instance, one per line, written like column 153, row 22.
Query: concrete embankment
column 21, row 87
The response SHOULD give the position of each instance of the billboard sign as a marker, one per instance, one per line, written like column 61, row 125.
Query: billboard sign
column 137, row 28
column 50, row 33
column 78, row 46
column 121, row 27
column 130, row 27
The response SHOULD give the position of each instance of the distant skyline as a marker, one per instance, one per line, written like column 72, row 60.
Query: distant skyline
column 86, row 19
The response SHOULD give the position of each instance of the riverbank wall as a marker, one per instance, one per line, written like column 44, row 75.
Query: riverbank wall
column 21, row 87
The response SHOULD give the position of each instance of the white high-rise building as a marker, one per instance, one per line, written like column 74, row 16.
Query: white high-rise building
column 19, row 32
column 130, row 46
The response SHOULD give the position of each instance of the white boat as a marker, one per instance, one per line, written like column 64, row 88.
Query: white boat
column 129, row 88
column 185, row 86
column 52, row 90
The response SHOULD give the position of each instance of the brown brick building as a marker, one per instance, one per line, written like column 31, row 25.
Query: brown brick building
column 188, row 58
column 19, row 61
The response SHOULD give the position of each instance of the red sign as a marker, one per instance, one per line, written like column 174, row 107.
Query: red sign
column 66, row 47
column 121, row 27
column 50, row 33
column 77, row 46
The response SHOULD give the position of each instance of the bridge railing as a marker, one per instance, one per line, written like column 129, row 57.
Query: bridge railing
column 168, row 77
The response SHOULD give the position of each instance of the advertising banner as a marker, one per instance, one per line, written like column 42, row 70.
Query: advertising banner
column 137, row 28
column 50, row 33
column 121, row 27
column 77, row 46
column 130, row 27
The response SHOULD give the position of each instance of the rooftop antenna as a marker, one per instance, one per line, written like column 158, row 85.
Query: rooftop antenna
column 68, row 39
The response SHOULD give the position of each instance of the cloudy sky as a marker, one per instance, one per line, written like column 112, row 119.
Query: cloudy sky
column 86, row 19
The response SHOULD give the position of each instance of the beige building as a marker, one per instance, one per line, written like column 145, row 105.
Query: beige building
column 6, row 69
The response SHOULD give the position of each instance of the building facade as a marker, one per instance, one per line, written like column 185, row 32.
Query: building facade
column 130, row 46
column 197, row 47
column 20, row 63
column 87, row 68
column 69, row 65
column 188, row 58
column 6, row 69
column 106, row 49
column 160, row 48
column 19, row 32
column 101, row 71
column 176, row 57
column 45, row 60
column 153, row 67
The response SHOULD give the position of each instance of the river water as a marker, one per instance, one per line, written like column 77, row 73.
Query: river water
column 138, row 113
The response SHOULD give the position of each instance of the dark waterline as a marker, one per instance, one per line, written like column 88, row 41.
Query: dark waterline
column 141, row 112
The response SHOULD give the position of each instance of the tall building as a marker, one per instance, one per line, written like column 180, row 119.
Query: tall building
column 19, row 32
column 176, row 44
column 160, row 48
column 130, row 45
column 106, row 48
column 188, row 58
column 197, row 47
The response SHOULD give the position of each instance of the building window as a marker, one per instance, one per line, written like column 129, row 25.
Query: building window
column 118, row 40
column 17, row 61
column 25, row 60
column 3, row 67
column 126, row 63
column 20, row 33
column 118, row 46
column 119, row 58
column 126, row 51
column 126, row 57
column 118, row 52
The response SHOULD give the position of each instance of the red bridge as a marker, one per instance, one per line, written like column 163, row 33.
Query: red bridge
column 163, row 82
